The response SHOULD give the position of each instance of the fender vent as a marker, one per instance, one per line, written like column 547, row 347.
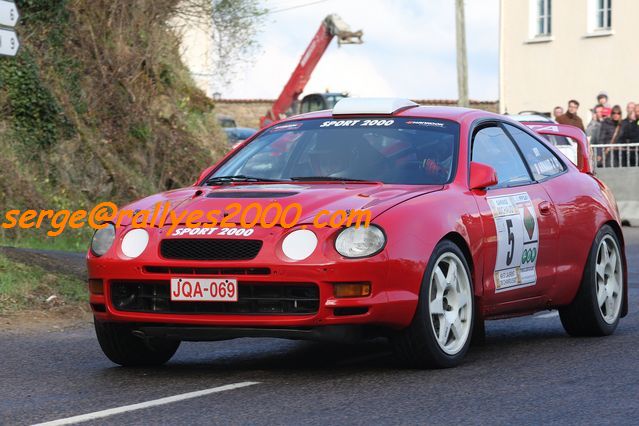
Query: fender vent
column 250, row 194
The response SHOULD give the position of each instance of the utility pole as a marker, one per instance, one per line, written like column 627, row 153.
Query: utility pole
column 462, row 63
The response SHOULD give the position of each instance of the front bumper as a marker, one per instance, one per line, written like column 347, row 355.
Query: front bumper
column 391, row 303
column 394, row 280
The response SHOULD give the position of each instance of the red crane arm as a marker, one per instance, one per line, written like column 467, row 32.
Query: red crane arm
column 331, row 26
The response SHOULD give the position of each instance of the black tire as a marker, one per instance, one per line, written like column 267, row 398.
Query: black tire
column 583, row 317
column 417, row 345
column 123, row 348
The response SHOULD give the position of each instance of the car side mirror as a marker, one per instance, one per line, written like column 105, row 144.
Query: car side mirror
column 482, row 176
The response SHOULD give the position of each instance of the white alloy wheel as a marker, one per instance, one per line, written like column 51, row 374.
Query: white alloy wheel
column 609, row 279
column 450, row 303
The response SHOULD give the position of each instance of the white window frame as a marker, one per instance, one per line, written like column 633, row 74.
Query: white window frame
column 537, row 20
column 599, row 17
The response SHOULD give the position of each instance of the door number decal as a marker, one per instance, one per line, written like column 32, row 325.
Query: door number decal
column 517, row 241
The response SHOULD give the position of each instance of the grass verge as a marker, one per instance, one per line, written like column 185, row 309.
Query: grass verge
column 76, row 240
column 29, row 287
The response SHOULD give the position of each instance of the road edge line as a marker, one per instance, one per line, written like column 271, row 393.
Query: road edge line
column 141, row 405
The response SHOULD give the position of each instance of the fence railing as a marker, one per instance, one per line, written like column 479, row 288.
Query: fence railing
column 615, row 155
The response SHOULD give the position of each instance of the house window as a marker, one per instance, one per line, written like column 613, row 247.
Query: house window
column 603, row 15
column 544, row 18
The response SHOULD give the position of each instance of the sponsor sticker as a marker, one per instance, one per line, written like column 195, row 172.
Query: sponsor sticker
column 425, row 123
column 517, row 241
column 288, row 126
column 239, row 232
column 358, row 123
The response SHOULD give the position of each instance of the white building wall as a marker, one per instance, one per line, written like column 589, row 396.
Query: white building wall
column 572, row 62
column 196, row 50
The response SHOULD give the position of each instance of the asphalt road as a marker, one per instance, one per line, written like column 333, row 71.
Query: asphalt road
column 528, row 372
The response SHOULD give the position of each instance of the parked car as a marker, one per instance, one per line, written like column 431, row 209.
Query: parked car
column 237, row 135
column 226, row 121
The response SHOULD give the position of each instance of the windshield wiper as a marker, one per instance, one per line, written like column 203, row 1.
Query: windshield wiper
column 327, row 178
column 221, row 180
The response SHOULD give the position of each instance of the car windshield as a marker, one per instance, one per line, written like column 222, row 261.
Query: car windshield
column 417, row 151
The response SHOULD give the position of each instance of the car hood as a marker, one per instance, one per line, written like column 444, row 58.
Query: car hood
column 313, row 198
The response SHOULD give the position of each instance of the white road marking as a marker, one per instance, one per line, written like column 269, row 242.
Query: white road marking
column 552, row 314
column 147, row 404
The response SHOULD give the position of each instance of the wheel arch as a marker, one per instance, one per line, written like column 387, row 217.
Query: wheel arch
column 460, row 242
column 617, row 228
column 614, row 225
column 476, row 282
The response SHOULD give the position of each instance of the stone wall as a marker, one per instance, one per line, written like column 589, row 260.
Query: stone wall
column 623, row 183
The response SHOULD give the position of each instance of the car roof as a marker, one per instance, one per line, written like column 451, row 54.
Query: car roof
column 422, row 111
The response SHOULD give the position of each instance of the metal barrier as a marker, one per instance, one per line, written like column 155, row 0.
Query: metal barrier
column 618, row 166
column 615, row 155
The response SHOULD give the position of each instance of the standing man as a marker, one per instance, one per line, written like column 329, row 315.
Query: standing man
column 602, row 99
column 593, row 129
column 571, row 117
column 557, row 111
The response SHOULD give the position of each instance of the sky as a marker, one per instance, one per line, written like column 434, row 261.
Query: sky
column 408, row 50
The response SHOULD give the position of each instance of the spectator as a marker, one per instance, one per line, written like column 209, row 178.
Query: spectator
column 571, row 117
column 602, row 99
column 630, row 112
column 629, row 133
column 557, row 111
column 610, row 126
column 608, row 132
column 592, row 131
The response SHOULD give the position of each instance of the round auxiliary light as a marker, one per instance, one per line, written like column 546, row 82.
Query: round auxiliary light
column 135, row 242
column 300, row 244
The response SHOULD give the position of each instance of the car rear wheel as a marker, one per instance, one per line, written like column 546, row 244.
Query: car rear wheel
column 597, row 305
column 440, row 333
column 122, row 347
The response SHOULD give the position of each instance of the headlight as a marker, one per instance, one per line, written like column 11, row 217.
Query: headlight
column 360, row 242
column 103, row 240
column 300, row 244
column 135, row 242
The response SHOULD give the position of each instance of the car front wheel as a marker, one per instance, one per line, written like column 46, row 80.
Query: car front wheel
column 122, row 347
column 597, row 305
column 440, row 333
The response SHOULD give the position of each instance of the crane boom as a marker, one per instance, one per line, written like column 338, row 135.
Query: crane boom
column 332, row 26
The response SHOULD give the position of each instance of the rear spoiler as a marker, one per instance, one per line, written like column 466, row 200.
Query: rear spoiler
column 572, row 132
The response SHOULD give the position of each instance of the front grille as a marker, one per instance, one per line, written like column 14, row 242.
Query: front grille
column 205, row 271
column 209, row 249
column 253, row 298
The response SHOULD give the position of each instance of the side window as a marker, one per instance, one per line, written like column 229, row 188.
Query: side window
column 543, row 163
column 493, row 147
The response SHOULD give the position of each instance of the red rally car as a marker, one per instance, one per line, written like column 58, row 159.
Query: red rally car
column 473, row 217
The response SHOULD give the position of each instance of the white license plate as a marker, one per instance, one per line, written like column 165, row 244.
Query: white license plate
column 204, row 289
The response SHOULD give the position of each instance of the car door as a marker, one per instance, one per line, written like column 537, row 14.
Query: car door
column 520, row 226
column 567, row 191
